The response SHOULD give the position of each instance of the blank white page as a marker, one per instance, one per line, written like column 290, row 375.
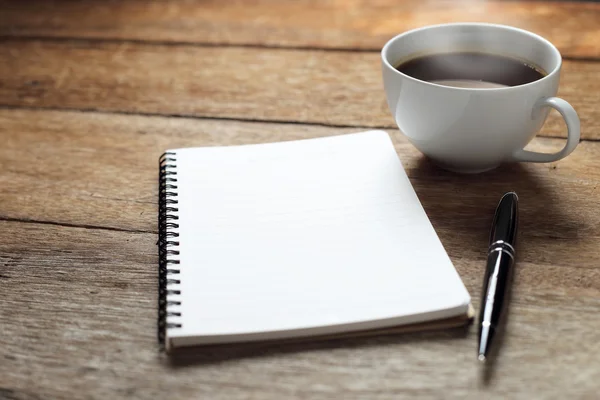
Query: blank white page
column 305, row 237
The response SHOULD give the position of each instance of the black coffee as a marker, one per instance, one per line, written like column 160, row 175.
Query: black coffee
column 471, row 70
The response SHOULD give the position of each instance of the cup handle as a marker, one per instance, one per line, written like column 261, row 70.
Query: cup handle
column 571, row 119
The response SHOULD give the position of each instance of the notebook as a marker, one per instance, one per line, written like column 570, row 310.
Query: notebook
column 297, row 239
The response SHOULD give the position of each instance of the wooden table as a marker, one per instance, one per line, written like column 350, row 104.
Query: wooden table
column 92, row 92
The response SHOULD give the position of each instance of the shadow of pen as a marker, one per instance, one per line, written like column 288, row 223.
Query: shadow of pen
column 464, row 225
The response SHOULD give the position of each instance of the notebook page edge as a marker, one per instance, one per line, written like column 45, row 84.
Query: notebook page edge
column 463, row 312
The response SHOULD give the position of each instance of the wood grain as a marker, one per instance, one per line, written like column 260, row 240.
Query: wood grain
column 100, row 170
column 78, row 256
column 309, row 86
column 79, row 321
column 356, row 24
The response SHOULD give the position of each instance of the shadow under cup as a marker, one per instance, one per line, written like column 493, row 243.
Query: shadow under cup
column 470, row 129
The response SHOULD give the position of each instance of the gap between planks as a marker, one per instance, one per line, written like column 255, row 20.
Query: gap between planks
column 207, row 118
column 68, row 225
column 204, row 118
column 168, row 43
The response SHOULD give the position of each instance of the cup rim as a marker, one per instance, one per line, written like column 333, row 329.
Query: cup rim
column 385, row 49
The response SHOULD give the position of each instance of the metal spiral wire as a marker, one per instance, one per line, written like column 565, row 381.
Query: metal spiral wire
column 168, row 244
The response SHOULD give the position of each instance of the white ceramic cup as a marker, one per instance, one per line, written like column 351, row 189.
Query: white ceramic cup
column 475, row 129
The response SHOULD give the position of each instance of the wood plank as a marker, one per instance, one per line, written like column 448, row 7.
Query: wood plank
column 95, row 169
column 357, row 24
column 309, row 86
column 79, row 321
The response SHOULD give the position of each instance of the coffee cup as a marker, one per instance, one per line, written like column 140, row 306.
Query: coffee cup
column 466, row 123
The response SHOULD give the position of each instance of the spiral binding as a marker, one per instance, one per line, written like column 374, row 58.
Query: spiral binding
column 168, row 247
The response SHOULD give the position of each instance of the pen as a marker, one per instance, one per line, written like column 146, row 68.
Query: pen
column 498, row 273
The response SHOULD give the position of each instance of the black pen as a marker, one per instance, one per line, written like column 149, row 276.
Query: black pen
column 498, row 273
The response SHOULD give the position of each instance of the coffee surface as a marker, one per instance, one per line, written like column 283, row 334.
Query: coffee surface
column 471, row 70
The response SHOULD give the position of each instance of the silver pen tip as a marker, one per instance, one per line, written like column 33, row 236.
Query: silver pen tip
column 481, row 358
